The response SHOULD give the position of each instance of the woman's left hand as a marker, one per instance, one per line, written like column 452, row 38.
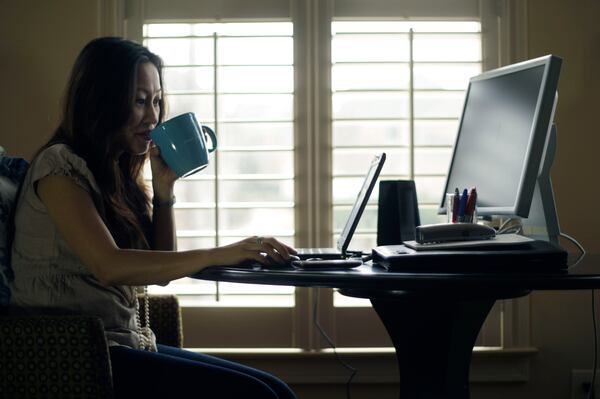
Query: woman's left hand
column 163, row 177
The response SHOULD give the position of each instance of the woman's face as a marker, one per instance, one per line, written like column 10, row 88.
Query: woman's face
column 145, row 110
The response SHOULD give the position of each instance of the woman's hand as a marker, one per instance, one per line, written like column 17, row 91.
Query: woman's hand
column 264, row 250
column 163, row 177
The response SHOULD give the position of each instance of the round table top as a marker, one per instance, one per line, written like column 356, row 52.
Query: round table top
column 585, row 274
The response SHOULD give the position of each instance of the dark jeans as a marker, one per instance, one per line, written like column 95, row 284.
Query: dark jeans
column 173, row 372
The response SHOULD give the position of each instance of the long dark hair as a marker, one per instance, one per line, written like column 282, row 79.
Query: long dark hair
column 97, row 106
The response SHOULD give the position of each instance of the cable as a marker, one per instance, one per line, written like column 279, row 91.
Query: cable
column 501, row 229
column 574, row 241
column 516, row 229
column 593, row 382
column 581, row 248
column 507, row 228
column 352, row 370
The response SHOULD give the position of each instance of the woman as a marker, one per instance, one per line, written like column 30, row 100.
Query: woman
column 86, row 234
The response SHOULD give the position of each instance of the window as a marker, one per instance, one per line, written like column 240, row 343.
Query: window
column 301, row 94
column 238, row 78
column 393, row 90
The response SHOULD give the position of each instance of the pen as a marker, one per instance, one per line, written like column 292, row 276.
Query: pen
column 462, row 206
column 455, row 201
column 470, row 208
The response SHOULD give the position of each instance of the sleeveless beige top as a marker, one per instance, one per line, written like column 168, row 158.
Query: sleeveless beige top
column 48, row 274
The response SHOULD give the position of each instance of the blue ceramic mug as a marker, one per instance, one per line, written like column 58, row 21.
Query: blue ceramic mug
column 182, row 143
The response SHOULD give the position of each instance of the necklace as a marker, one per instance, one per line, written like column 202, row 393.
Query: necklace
column 143, row 332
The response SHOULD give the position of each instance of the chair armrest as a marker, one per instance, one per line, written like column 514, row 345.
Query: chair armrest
column 54, row 357
column 165, row 319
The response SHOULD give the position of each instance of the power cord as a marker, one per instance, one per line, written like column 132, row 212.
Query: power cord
column 579, row 246
column 352, row 370
column 505, row 228
column 593, row 383
column 590, row 394
column 513, row 225
column 510, row 225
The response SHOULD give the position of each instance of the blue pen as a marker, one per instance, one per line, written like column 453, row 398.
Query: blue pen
column 462, row 206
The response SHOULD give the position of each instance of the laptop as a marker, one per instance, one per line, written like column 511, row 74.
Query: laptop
column 357, row 210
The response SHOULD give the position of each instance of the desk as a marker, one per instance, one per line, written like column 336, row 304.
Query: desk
column 432, row 318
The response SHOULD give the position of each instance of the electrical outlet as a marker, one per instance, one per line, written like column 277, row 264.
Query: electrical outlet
column 580, row 384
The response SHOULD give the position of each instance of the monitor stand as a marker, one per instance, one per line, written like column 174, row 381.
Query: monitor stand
column 542, row 223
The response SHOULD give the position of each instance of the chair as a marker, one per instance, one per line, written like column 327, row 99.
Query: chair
column 59, row 356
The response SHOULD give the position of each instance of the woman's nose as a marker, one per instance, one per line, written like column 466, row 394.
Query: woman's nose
column 152, row 113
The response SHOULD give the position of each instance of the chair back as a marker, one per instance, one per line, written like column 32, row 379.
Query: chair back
column 12, row 173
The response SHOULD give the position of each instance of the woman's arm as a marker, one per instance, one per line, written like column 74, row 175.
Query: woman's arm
column 163, row 218
column 72, row 210
column 163, row 226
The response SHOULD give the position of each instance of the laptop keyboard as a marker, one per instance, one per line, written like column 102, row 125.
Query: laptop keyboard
column 317, row 251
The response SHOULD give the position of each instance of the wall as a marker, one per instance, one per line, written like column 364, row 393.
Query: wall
column 571, row 30
column 561, row 321
column 40, row 39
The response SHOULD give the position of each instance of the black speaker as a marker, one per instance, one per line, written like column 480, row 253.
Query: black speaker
column 398, row 212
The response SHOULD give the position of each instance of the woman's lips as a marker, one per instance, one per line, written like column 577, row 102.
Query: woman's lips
column 145, row 136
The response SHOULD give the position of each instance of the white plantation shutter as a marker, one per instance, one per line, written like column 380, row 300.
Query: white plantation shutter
column 238, row 79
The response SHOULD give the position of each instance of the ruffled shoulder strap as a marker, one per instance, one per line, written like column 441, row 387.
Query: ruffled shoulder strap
column 59, row 159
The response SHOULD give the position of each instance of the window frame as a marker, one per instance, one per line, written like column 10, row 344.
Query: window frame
column 503, row 41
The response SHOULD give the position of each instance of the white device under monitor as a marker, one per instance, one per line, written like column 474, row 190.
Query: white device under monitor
column 506, row 143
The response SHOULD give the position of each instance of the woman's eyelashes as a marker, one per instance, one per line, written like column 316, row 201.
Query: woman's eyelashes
column 142, row 102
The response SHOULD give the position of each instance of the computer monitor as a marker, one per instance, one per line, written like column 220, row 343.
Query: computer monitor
column 504, row 145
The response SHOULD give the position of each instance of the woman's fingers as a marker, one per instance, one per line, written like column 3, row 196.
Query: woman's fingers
column 274, row 248
column 265, row 250
column 154, row 151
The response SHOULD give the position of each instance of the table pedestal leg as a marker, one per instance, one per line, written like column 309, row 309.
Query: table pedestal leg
column 434, row 340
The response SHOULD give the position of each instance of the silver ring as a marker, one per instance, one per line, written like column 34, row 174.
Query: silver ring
column 259, row 240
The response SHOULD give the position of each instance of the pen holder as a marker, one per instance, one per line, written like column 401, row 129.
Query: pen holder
column 456, row 214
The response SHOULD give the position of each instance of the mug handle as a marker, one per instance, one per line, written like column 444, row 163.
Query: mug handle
column 213, row 137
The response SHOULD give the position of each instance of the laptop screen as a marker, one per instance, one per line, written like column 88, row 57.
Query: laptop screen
column 361, row 202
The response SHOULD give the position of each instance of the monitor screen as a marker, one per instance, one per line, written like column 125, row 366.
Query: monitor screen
column 503, row 134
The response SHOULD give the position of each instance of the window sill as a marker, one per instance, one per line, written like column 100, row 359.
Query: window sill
column 374, row 365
